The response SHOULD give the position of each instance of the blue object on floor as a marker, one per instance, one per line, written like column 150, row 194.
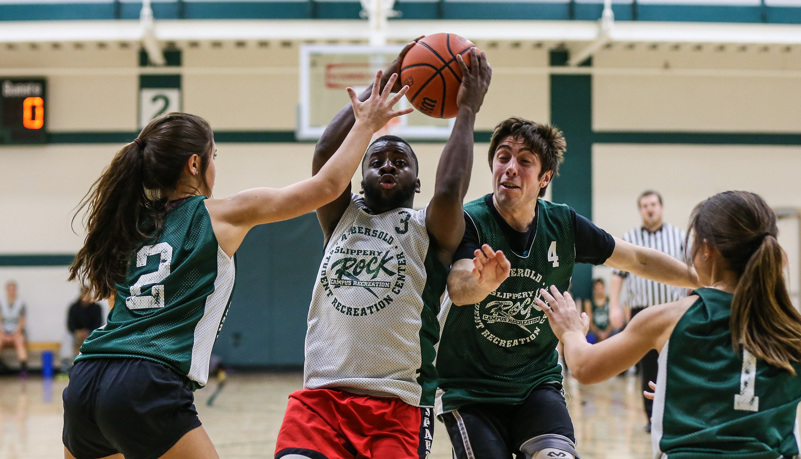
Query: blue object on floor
column 47, row 364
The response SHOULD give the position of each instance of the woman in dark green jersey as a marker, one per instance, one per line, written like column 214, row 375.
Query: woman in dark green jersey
column 728, row 383
column 163, row 251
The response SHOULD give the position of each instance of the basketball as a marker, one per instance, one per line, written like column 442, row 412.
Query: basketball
column 433, row 75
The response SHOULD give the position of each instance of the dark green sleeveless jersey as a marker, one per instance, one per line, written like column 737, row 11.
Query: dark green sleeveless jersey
column 499, row 350
column 173, row 300
column 600, row 314
column 715, row 401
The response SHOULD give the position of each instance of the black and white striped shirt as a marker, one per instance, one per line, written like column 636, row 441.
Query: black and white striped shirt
column 642, row 292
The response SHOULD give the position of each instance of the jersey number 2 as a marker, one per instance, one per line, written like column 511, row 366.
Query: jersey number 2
column 156, row 297
column 746, row 400
column 552, row 254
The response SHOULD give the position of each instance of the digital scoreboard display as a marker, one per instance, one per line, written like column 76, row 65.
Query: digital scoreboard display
column 22, row 110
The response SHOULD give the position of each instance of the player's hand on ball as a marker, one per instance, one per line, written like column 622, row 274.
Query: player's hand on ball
column 490, row 268
column 395, row 66
column 475, row 80
column 377, row 110
column 562, row 313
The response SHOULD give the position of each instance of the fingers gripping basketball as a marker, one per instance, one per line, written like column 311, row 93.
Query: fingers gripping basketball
column 433, row 75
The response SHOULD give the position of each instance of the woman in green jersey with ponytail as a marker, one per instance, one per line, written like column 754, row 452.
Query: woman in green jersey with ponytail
column 163, row 251
column 729, row 354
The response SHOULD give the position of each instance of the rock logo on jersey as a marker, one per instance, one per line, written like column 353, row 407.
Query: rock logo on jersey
column 364, row 271
column 495, row 316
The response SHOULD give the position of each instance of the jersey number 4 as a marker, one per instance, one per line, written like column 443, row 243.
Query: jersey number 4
column 552, row 257
column 156, row 297
column 746, row 400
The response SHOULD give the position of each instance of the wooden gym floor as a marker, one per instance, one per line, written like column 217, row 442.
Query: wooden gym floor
column 244, row 418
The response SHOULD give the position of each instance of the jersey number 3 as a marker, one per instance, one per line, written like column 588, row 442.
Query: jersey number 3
column 156, row 297
column 746, row 400
column 404, row 221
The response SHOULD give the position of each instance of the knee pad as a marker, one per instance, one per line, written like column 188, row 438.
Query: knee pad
column 549, row 446
column 550, row 453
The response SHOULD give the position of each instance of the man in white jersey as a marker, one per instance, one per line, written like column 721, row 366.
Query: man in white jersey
column 369, row 376
column 12, row 314
column 641, row 293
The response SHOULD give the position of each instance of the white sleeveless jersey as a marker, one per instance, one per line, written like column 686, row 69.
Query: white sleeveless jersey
column 372, row 323
column 11, row 314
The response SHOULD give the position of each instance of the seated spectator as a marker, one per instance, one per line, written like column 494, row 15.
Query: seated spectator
column 12, row 333
column 83, row 316
column 597, row 308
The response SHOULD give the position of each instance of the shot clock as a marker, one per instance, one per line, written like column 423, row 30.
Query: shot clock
column 22, row 110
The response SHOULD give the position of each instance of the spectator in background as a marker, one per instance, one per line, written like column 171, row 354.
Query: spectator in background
column 12, row 314
column 83, row 316
column 597, row 309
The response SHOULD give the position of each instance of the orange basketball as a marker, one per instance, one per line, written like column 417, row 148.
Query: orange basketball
column 433, row 75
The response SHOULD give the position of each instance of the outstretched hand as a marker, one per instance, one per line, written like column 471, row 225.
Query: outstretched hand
column 376, row 110
column 490, row 268
column 475, row 80
column 562, row 313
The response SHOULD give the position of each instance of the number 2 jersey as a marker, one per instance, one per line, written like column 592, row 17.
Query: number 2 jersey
column 714, row 401
column 174, row 298
column 372, row 323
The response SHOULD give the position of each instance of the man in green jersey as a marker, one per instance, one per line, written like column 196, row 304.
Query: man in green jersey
column 500, row 379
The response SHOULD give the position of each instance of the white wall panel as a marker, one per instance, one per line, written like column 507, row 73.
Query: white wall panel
column 92, row 103
column 696, row 103
column 243, row 102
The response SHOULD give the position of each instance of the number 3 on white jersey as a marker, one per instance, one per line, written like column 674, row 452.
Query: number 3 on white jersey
column 156, row 297
column 552, row 254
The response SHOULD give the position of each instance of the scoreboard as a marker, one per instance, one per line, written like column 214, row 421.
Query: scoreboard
column 22, row 110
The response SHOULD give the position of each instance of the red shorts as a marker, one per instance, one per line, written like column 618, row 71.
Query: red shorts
column 323, row 423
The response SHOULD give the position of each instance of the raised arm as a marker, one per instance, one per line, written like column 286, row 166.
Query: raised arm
column 470, row 281
column 444, row 218
column 232, row 218
column 333, row 136
column 651, row 264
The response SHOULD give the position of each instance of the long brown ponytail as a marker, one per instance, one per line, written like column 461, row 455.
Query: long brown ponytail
column 125, row 207
column 742, row 227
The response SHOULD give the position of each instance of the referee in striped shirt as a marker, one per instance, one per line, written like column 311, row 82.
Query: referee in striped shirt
column 641, row 293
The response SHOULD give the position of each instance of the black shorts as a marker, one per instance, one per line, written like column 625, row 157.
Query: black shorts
column 500, row 430
column 135, row 407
